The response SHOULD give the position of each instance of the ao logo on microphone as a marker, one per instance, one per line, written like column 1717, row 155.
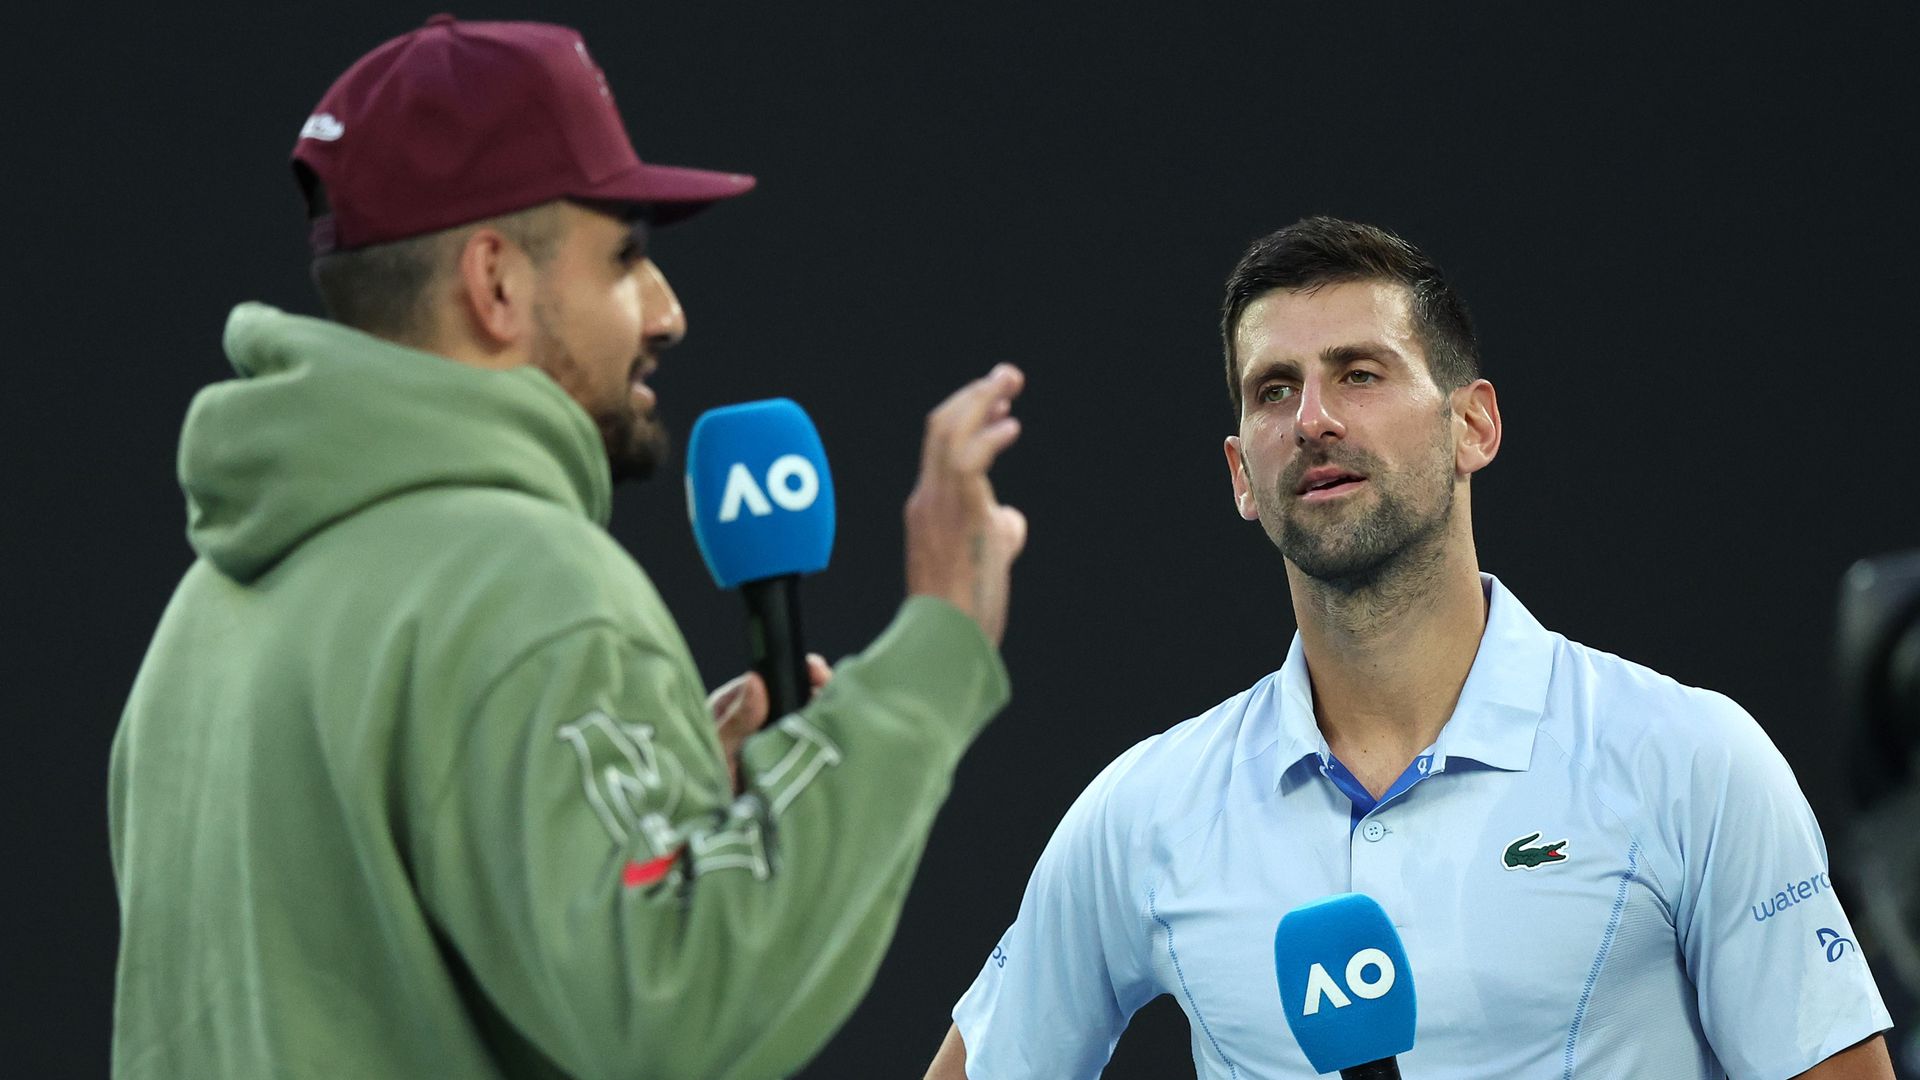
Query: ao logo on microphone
column 759, row 492
column 1345, row 987
column 792, row 484
column 1321, row 986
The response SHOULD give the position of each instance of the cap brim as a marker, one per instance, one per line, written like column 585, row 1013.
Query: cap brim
column 671, row 192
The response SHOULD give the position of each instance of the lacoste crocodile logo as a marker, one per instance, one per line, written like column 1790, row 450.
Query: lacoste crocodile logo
column 1521, row 857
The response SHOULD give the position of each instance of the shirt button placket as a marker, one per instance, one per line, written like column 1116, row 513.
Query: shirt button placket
column 1374, row 858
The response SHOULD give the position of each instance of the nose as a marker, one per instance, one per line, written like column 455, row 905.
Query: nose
column 663, row 322
column 1315, row 421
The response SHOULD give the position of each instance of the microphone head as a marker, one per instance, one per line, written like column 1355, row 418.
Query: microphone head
column 1344, row 982
column 759, row 492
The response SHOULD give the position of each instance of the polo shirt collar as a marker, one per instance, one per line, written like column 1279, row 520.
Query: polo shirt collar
column 1493, row 723
column 1505, row 697
column 1300, row 739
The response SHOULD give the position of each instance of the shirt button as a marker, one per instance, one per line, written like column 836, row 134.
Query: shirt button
column 1373, row 831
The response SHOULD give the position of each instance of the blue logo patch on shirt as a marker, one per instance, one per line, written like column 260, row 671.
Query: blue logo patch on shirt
column 1835, row 945
column 1792, row 893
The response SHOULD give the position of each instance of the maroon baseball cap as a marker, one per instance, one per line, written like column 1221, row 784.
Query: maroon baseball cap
column 461, row 121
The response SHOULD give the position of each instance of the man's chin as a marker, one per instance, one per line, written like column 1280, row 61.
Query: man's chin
column 1359, row 556
column 1339, row 556
column 637, row 457
column 1343, row 571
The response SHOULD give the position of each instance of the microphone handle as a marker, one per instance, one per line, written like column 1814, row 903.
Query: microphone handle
column 1387, row 1068
column 774, row 643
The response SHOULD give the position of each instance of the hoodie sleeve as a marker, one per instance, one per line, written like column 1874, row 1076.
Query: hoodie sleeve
column 628, row 914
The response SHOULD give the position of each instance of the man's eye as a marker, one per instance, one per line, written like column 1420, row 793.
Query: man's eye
column 1276, row 392
column 631, row 255
column 1362, row 377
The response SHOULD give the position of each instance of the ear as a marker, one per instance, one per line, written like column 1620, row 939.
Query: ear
column 1242, row 483
column 1478, row 410
column 496, row 289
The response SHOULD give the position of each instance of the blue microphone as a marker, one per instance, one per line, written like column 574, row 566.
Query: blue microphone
column 761, row 500
column 1345, row 986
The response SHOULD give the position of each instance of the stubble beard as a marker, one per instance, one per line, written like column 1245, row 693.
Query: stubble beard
column 1387, row 550
column 636, row 443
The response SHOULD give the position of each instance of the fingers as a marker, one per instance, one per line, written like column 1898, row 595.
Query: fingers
column 978, row 452
column 1013, row 525
column 819, row 672
column 726, row 698
column 984, row 402
column 960, row 540
column 740, row 705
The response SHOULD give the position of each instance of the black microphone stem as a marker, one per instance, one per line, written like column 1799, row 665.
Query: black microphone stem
column 1384, row 1069
column 774, row 644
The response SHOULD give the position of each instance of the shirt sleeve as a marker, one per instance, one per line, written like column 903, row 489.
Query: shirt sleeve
column 626, row 913
column 1781, row 982
column 1058, row 990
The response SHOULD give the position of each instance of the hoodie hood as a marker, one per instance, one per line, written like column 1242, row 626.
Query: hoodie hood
column 325, row 420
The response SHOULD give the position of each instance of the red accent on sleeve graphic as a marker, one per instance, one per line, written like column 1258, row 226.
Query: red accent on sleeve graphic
column 640, row 874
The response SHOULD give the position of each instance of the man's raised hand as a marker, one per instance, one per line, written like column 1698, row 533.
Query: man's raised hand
column 961, row 542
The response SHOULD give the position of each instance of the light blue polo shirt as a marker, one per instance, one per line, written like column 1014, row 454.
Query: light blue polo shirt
column 1686, row 928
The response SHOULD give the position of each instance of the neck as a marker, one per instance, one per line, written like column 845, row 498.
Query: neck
column 1387, row 657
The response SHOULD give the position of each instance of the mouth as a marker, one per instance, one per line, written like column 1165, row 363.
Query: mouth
column 637, row 388
column 1328, row 482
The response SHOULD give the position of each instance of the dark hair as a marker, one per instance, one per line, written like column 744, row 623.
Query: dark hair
column 383, row 288
column 1319, row 251
column 380, row 289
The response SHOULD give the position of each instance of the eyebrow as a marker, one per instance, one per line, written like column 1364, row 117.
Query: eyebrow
column 1335, row 356
column 638, row 235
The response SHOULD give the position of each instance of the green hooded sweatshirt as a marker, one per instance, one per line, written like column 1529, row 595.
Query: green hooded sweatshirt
column 418, row 778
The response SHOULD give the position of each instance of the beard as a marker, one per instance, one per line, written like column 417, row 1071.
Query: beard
column 636, row 443
column 1361, row 547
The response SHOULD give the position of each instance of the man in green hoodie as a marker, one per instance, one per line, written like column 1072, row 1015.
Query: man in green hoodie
column 418, row 778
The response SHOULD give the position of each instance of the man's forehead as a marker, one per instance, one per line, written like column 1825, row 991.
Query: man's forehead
column 1304, row 322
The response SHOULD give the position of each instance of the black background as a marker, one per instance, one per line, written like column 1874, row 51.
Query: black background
column 1688, row 239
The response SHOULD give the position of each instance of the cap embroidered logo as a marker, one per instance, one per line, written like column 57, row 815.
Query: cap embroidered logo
column 322, row 126
column 580, row 48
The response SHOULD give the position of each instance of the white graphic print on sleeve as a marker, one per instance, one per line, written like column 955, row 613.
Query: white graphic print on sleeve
column 637, row 789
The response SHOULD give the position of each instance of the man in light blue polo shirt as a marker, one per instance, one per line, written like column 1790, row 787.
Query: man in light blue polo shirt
column 1597, row 872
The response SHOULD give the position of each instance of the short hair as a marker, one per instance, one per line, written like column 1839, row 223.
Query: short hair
column 1318, row 251
column 383, row 289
